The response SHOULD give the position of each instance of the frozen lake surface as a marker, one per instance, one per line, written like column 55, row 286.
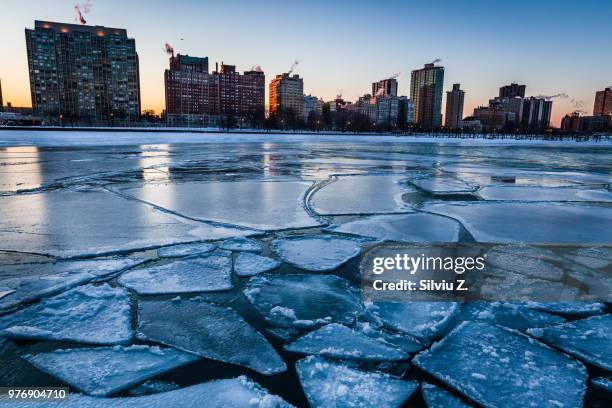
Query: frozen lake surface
column 240, row 254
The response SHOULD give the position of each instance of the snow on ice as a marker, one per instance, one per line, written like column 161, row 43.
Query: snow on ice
column 241, row 244
column 205, row 273
column 247, row 264
column 498, row 367
column 181, row 250
column 338, row 341
column 303, row 300
column 85, row 314
column 107, row 370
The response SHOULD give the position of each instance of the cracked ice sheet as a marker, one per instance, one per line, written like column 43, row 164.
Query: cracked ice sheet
column 443, row 185
column 317, row 254
column 205, row 273
column 503, row 222
column 569, row 308
column 423, row 320
column 589, row 340
column 369, row 194
column 418, row 227
column 108, row 370
column 498, row 367
column 240, row 392
column 338, row 341
column 520, row 193
column 328, row 384
column 241, row 244
column 208, row 331
column 178, row 251
column 85, row 314
column 69, row 223
column 436, row 397
column 303, row 300
column 248, row 264
column 512, row 315
column 276, row 204
column 33, row 281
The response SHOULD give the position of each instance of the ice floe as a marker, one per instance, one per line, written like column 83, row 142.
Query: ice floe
column 205, row 273
column 247, row 264
column 602, row 383
column 239, row 392
column 436, row 397
column 569, row 308
column 338, row 341
column 366, row 194
column 418, row 227
column 209, row 331
column 522, row 193
column 539, row 268
column 592, row 257
column 513, row 315
column 278, row 204
column 442, row 185
column 498, row 367
column 303, row 300
column 32, row 281
column 423, row 320
column 85, row 314
column 328, row 384
column 538, row 222
column 589, row 340
column 178, row 251
column 241, row 244
column 79, row 223
column 317, row 254
column 107, row 370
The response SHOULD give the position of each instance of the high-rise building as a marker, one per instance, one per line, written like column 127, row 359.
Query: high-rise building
column 82, row 72
column 385, row 87
column 454, row 108
column 1, row 102
column 426, row 92
column 196, row 97
column 603, row 102
column 406, row 111
column 312, row 104
column 512, row 91
column 287, row 95
column 536, row 113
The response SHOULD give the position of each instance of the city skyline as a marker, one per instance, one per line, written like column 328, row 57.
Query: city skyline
column 328, row 53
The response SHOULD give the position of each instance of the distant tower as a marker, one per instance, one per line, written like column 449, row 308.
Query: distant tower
column 603, row 102
column 287, row 94
column 426, row 92
column 512, row 91
column 385, row 87
column 454, row 108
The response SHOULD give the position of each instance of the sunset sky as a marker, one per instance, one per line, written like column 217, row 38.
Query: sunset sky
column 551, row 46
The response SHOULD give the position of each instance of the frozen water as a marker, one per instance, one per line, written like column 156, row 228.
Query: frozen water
column 153, row 387
column 367, row 194
column 418, row 227
column 512, row 315
column 539, row 268
column 85, row 314
column 602, row 383
column 205, row 273
column 71, row 223
column 592, row 257
column 317, row 254
column 442, row 185
column 278, row 204
column 248, row 264
column 241, row 244
column 303, row 300
column 588, row 339
column 423, row 320
column 32, row 281
column 108, row 370
column 436, row 397
column 338, row 341
column 569, row 308
column 531, row 222
column 328, row 384
column 401, row 341
column 209, row 331
column 497, row 367
column 523, row 193
column 238, row 392
column 178, row 251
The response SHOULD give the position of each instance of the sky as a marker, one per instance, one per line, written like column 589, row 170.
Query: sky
column 343, row 46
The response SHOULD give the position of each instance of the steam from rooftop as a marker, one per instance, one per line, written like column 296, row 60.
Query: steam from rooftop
column 256, row 68
column 293, row 67
column 80, row 9
column 436, row 61
column 169, row 49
